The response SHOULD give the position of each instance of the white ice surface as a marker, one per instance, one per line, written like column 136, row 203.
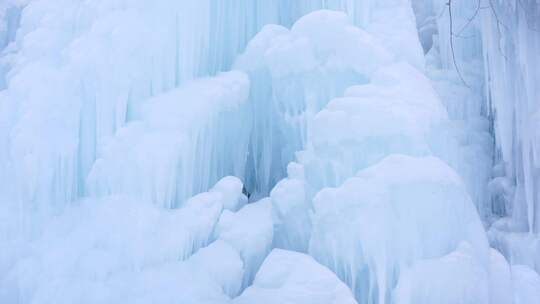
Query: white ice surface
column 250, row 232
column 457, row 278
column 290, row 277
column 390, row 215
column 121, row 248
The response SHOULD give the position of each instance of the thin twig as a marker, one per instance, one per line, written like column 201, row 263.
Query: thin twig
column 452, row 43
column 470, row 19
column 499, row 23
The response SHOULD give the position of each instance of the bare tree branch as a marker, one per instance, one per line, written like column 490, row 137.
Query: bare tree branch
column 449, row 4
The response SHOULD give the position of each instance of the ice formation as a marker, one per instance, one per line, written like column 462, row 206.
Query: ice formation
column 121, row 248
column 460, row 279
column 162, row 156
column 295, row 73
column 376, row 222
column 501, row 41
column 307, row 151
column 292, row 277
column 249, row 231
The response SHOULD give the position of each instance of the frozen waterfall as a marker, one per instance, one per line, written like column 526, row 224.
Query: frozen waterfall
column 269, row 151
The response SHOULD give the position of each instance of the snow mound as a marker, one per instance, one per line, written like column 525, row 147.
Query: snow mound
column 499, row 279
column 391, row 214
column 121, row 248
column 290, row 205
column 526, row 285
column 291, row 277
column 329, row 39
column 457, row 278
column 204, row 278
column 250, row 232
column 394, row 113
column 517, row 245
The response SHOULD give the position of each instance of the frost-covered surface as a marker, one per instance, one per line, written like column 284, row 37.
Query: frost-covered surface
column 122, row 248
column 455, row 278
column 250, row 232
column 369, row 227
column 526, row 284
column 518, row 247
column 119, row 121
column 353, row 132
column 292, row 277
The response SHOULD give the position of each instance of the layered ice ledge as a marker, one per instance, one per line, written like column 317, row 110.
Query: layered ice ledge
column 185, row 141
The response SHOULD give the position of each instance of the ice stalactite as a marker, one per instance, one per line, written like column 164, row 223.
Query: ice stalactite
column 499, row 41
column 455, row 67
column 349, row 133
column 94, row 77
column 109, row 57
column 185, row 141
column 294, row 74
column 511, row 42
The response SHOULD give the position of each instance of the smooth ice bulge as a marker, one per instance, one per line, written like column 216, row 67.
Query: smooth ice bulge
column 391, row 214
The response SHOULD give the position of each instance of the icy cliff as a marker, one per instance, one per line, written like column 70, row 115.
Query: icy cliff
column 498, row 41
column 309, row 151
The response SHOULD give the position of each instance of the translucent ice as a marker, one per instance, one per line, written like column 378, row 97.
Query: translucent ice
column 185, row 141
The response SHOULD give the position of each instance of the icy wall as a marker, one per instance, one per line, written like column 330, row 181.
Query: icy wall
column 501, row 39
column 511, row 36
column 99, row 73
column 96, row 63
column 512, row 43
